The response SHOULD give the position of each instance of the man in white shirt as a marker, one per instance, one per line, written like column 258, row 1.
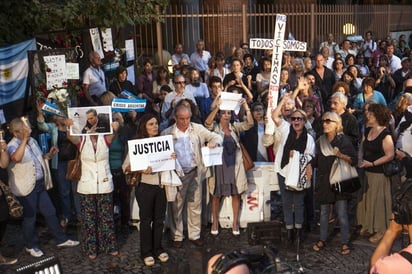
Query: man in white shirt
column 394, row 61
column 177, row 56
column 172, row 98
column 94, row 82
column 327, row 59
column 346, row 50
column 330, row 44
column 200, row 58
column 369, row 46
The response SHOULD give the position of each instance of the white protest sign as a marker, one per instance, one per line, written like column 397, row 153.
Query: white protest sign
column 96, row 42
column 90, row 120
column 129, row 50
column 288, row 45
column 107, row 39
column 275, row 70
column 56, row 70
column 229, row 100
column 154, row 152
column 72, row 70
column 212, row 156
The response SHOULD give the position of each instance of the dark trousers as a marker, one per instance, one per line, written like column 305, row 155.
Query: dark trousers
column 152, row 210
column 121, row 195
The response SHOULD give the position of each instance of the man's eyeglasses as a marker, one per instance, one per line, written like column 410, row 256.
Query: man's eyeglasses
column 296, row 118
column 180, row 83
column 328, row 121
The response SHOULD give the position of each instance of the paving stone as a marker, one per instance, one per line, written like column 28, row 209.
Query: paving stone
column 189, row 259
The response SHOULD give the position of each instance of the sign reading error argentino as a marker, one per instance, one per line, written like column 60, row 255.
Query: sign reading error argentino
column 154, row 152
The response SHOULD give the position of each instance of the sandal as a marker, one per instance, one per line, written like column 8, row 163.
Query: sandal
column 345, row 250
column 319, row 246
column 149, row 261
column 92, row 257
column 163, row 257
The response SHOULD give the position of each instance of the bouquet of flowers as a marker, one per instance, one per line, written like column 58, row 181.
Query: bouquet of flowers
column 63, row 97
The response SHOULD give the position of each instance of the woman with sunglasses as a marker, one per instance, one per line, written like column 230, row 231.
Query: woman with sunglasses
column 294, row 138
column 230, row 177
column 338, row 68
column 343, row 149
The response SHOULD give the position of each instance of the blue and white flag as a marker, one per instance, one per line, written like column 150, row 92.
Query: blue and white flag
column 125, row 105
column 128, row 95
column 52, row 109
column 290, row 36
column 14, row 70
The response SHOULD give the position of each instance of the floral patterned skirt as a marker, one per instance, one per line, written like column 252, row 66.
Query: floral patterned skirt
column 97, row 221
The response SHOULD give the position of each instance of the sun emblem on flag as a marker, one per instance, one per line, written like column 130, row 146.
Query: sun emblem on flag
column 6, row 73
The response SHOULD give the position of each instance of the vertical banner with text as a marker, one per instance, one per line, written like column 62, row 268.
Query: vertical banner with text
column 276, row 69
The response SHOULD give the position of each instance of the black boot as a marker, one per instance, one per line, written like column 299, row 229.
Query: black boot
column 291, row 236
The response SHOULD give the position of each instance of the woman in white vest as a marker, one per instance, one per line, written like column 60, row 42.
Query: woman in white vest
column 95, row 189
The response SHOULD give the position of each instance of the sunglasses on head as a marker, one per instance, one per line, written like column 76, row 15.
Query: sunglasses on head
column 328, row 121
column 296, row 118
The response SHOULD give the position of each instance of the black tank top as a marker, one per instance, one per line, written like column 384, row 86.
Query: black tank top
column 373, row 150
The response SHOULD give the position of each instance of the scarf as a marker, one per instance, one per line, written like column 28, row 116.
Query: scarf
column 292, row 143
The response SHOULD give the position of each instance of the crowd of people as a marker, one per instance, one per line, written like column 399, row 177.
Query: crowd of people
column 355, row 96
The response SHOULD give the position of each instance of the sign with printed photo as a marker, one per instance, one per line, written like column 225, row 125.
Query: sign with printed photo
column 90, row 120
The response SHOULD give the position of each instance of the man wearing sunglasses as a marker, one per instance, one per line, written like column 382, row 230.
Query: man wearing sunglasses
column 172, row 98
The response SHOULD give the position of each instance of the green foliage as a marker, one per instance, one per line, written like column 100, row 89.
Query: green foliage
column 31, row 17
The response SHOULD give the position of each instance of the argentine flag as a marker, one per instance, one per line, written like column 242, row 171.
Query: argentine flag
column 14, row 70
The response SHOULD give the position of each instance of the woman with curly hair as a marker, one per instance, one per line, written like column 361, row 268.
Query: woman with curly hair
column 375, row 208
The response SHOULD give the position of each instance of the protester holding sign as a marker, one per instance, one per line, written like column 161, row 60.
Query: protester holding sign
column 151, row 197
column 229, row 178
column 294, row 139
column 121, row 83
column 95, row 189
column 188, row 140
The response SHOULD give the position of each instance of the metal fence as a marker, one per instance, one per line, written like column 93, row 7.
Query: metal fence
column 224, row 28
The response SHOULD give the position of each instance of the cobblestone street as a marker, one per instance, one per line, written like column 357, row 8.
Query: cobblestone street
column 189, row 259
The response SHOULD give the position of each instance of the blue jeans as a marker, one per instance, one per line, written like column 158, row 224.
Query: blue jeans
column 292, row 202
column 39, row 199
column 341, row 209
column 67, row 189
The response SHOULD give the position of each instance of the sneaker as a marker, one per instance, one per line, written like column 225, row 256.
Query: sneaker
column 69, row 243
column 7, row 260
column 35, row 252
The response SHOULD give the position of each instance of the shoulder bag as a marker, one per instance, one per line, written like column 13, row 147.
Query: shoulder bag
column 343, row 177
column 247, row 160
column 74, row 167
column 392, row 168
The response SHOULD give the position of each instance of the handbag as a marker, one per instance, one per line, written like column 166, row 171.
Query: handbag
column 392, row 168
column 296, row 179
column 15, row 208
column 343, row 177
column 247, row 160
column 74, row 167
